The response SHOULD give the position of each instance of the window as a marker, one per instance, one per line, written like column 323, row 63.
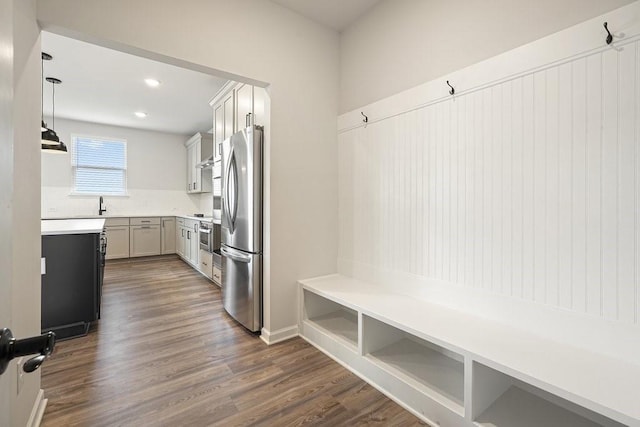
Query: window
column 99, row 165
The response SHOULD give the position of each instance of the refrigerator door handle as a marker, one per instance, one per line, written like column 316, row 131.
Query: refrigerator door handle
column 235, row 192
column 235, row 256
column 231, row 167
column 225, row 199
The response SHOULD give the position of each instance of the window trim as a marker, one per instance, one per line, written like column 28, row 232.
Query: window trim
column 72, row 157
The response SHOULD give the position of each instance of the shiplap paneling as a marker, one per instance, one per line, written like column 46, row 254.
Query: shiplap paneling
column 528, row 188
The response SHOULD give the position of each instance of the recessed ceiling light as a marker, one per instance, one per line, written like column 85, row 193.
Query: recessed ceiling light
column 140, row 114
column 152, row 82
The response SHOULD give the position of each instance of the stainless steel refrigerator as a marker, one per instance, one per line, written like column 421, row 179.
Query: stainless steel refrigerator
column 241, row 241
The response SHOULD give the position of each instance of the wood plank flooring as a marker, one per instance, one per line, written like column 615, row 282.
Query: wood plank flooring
column 166, row 354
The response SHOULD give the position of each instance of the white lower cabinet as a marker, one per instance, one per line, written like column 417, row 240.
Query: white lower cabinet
column 183, row 242
column 194, row 243
column 206, row 263
column 187, row 241
column 117, row 241
column 117, row 233
column 145, row 240
column 217, row 276
column 168, row 236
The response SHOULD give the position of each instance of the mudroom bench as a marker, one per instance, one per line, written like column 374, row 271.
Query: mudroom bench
column 452, row 368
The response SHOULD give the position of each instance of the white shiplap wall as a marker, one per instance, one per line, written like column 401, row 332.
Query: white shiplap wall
column 528, row 187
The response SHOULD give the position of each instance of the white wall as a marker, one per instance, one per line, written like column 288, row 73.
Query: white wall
column 19, row 197
column 523, row 186
column 156, row 174
column 403, row 43
column 259, row 40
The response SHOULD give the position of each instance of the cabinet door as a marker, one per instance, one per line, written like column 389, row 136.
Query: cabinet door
column 168, row 237
column 117, row 242
column 180, row 240
column 190, row 165
column 229, row 127
column 188, row 238
column 194, row 255
column 145, row 240
column 197, row 172
column 244, row 106
column 218, row 131
column 184, row 244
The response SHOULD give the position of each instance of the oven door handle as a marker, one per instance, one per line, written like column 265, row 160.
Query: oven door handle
column 205, row 230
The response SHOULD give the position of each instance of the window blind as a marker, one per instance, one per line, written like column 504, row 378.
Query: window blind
column 100, row 165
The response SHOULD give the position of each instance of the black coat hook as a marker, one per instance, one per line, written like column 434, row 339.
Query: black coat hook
column 609, row 37
column 452, row 91
column 366, row 119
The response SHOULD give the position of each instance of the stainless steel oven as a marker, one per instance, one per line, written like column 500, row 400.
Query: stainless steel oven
column 206, row 236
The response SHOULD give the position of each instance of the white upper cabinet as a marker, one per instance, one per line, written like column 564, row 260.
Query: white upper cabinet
column 236, row 106
column 218, row 129
column 244, row 110
column 199, row 147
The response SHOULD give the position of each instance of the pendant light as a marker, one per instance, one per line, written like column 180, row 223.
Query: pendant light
column 50, row 140
column 44, row 57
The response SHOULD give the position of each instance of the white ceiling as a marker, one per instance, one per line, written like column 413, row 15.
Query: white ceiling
column 337, row 14
column 105, row 86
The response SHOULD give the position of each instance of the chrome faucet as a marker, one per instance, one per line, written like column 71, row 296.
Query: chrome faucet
column 100, row 207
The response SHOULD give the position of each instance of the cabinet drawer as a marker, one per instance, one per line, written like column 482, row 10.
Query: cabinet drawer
column 145, row 221
column 116, row 222
column 217, row 275
column 206, row 263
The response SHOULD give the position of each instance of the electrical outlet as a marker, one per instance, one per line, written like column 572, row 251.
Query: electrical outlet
column 20, row 376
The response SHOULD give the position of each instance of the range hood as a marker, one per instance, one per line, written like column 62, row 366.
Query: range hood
column 206, row 163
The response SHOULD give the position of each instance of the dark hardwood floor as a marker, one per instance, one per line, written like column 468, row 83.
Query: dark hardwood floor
column 166, row 354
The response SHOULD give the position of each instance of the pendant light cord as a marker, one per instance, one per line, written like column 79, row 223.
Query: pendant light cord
column 53, row 121
column 41, row 88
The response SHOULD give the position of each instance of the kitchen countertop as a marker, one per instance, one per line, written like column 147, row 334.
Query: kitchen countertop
column 71, row 226
column 80, row 217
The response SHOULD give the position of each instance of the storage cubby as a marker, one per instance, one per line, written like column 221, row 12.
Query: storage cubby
column 503, row 401
column 331, row 317
column 431, row 369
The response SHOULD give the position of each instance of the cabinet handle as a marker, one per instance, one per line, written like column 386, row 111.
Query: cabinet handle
column 145, row 221
column 188, row 235
column 182, row 232
column 247, row 120
column 145, row 227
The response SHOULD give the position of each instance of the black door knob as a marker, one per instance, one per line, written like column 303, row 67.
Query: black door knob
column 10, row 348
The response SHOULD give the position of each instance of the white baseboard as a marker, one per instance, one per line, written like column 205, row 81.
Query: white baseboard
column 37, row 412
column 279, row 335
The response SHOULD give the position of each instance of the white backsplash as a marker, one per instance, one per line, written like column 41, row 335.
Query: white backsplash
column 206, row 203
column 57, row 203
